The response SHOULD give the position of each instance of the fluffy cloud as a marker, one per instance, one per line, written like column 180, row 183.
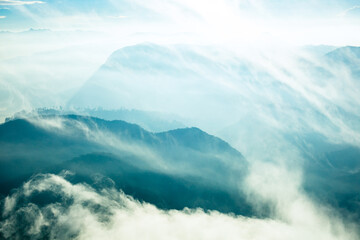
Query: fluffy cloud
column 50, row 206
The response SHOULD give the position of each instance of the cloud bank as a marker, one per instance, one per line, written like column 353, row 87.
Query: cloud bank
column 52, row 207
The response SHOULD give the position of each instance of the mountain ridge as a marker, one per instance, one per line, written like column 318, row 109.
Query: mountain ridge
column 146, row 165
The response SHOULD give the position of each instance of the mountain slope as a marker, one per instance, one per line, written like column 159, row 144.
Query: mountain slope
column 175, row 169
column 181, row 79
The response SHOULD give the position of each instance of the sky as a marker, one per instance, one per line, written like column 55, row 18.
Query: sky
column 332, row 22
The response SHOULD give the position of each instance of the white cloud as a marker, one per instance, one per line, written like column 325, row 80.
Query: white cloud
column 344, row 13
column 15, row 2
column 2, row 17
column 85, row 213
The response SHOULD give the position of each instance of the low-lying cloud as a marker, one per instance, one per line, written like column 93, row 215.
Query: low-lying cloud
column 52, row 207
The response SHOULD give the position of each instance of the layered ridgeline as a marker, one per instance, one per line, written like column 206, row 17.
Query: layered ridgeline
column 218, row 89
column 298, row 113
column 150, row 121
column 172, row 170
column 299, row 110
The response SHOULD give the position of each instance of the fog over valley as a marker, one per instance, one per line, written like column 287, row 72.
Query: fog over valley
column 231, row 119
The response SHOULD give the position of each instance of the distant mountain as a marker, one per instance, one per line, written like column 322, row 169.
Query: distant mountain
column 347, row 58
column 151, row 121
column 331, row 171
column 194, row 82
column 181, row 79
column 175, row 169
column 318, row 50
column 346, row 55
